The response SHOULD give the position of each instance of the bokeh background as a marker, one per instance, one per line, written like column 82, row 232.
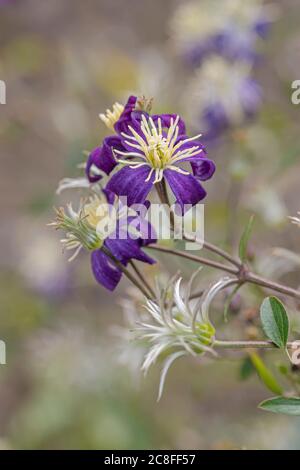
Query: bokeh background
column 64, row 61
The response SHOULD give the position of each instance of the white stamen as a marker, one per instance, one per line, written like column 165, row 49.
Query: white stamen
column 111, row 117
column 156, row 149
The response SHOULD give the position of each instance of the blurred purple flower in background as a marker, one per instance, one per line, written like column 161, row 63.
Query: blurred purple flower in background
column 222, row 42
column 222, row 95
column 5, row 3
column 231, row 28
column 41, row 264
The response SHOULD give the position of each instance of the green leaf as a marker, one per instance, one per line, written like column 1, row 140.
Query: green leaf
column 275, row 321
column 265, row 375
column 245, row 239
column 287, row 406
column 283, row 369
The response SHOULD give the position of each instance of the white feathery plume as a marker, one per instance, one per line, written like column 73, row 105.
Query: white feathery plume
column 178, row 326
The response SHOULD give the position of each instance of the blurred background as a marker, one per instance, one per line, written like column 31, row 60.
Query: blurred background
column 64, row 62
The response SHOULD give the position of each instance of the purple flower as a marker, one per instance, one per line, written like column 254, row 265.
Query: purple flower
column 123, row 246
column 219, row 118
column 155, row 151
column 231, row 44
column 229, row 28
column 110, row 232
column 148, row 149
column 222, row 95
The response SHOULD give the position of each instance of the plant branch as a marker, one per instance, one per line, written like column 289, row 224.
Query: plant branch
column 197, row 259
column 260, row 281
column 214, row 249
column 164, row 198
column 242, row 275
column 239, row 270
column 247, row 344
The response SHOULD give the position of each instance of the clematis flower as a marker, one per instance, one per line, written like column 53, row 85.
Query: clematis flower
column 231, row 28
column 153, row 154
column 103, row 226
column 176, row 327
column 222, row 95
column 150, row 148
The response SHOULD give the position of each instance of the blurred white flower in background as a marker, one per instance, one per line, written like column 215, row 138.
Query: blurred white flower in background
column 221, row 95
column 195, row 21
column 277, row 262
column 270, row 206
column 232, row 28
column 296, row 220
column 41, row 263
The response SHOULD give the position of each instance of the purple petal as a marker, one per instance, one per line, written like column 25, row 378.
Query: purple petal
column 130, row 105
column 148, row 233
column 129, row 117
column 143, row 226
column 110, row 197
column 251, row 96
column 262, row 27
column 94, row 159
column 190, row 144
column 216, row 120
column 105, row 272
column 186, row 188
column 125, row 250
column 234, row 45
column 103, row 157
column 203, row 168
column 131, row 182
column 166, row 121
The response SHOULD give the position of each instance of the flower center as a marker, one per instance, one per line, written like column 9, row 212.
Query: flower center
column 157, row 147
column 95, row 211
column 158, row 151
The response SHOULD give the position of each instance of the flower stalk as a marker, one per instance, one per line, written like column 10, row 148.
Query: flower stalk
column 126, row 272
